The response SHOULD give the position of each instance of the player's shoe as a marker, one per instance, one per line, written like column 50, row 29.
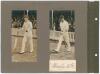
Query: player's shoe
column 22, row 52
column 31, row 51
column 54, row 51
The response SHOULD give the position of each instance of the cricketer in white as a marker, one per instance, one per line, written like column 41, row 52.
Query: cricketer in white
column 27, row 27
column 64, row 25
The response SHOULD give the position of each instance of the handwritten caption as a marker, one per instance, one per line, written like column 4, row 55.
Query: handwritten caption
column 62, row 65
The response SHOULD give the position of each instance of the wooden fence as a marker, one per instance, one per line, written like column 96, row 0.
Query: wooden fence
column 54, row 35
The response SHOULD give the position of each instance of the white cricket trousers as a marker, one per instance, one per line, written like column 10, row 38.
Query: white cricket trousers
column 65, row 37
column 27, row 37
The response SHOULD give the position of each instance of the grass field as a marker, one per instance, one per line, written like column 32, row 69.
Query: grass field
column 63, row 54
column 27, row 56
column 32, row 57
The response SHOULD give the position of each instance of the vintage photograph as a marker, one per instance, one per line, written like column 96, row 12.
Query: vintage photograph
column 62, row 40
column 24, row 35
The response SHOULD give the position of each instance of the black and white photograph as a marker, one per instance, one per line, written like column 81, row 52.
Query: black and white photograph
column 24, row 35
column 62, row 37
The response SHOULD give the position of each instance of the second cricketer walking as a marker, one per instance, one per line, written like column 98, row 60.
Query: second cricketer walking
column 64, row 25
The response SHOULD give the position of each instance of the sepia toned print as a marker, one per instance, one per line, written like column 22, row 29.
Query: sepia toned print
column 24, row 37
column 62, row 40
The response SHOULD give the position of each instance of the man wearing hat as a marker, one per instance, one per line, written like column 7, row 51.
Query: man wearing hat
column 64, row 25
column 27, row 28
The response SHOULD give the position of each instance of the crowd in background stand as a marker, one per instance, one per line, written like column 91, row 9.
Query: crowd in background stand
column 17, row 22
column 56, row 22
